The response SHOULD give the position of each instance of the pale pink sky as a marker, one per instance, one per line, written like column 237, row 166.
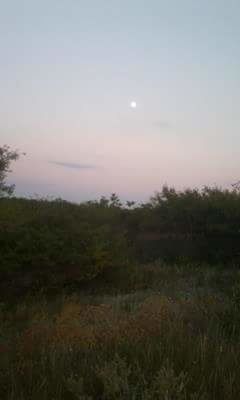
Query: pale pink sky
column 69, row 71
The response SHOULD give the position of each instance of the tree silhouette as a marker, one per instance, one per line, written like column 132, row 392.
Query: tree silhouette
column 6, row 157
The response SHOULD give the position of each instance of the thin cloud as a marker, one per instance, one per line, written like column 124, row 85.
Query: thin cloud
column 162, row 124
column 72, row 165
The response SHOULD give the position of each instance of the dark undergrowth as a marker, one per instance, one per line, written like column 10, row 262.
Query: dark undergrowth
column 86, row 314
column 173, row 333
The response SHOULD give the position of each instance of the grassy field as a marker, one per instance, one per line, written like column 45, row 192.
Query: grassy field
column 148, row 332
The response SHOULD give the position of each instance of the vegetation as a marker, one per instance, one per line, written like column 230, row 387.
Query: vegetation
column 53, row 243
column 6, row 157
column 172, row 334
column 104, row 300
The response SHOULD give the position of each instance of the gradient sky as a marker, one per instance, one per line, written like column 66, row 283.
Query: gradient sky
column 69, row 70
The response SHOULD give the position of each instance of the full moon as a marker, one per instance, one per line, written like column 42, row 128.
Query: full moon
column 133, row 104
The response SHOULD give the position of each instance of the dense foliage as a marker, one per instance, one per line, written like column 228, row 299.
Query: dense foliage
column 53, row 243
column 56, row 242
column 202, row 225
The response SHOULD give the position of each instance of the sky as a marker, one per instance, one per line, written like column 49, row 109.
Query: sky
column 69, row 70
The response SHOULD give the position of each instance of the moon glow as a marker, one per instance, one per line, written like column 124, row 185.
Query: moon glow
column 133, row 104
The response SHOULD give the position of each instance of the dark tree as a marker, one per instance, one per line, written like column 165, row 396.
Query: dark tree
column 6, row 157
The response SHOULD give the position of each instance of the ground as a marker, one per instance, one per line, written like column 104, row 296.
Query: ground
column 149, row 332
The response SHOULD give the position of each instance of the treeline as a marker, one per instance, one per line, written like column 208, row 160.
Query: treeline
column 201, row 225
column 44, row 241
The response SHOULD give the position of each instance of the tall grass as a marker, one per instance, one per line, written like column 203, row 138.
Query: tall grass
column 172, row 335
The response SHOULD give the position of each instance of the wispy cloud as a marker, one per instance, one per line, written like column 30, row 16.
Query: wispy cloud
column 162, row 124
column 72, row 165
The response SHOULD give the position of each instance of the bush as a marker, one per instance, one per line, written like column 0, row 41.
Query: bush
column 50, row 242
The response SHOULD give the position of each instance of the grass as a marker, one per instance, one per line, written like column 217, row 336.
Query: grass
column 150, row 332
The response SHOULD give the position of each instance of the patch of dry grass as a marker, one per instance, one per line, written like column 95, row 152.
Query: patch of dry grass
column 162, row 343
